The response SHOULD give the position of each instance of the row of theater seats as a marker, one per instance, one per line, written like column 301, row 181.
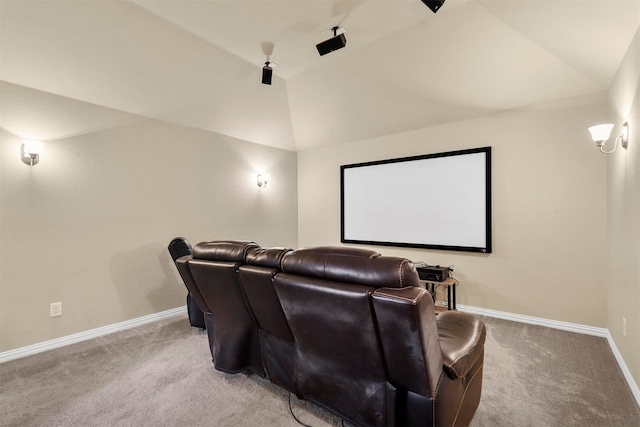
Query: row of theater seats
column 346, row 328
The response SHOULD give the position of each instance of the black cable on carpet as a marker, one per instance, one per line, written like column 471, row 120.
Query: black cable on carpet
column 300, row 422
column 294, row 415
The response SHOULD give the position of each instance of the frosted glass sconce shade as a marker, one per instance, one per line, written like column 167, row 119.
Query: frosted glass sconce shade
column 600, row 133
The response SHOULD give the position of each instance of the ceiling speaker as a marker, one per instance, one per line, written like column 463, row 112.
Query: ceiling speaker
column 434, row 5
column 334, row 43
column 267, row 73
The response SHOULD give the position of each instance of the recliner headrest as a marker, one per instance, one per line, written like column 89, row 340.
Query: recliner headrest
column 351, row 265
column 179, row 247
column 267, row 257
column 224, row 250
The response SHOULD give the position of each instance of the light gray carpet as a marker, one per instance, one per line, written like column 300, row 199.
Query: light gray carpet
column 536, row 376
column 161, row 374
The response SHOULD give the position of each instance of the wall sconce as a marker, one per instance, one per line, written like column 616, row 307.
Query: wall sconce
column 31, row 150
column 600, row 135
column 263, row 179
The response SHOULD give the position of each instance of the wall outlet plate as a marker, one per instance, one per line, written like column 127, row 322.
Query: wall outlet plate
column 55, row 309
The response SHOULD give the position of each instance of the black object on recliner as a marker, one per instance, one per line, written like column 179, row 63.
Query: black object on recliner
column 178, row 248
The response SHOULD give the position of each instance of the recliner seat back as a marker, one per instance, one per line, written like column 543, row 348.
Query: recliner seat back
column 233, row 333
column 276, row 341
column 326, row 297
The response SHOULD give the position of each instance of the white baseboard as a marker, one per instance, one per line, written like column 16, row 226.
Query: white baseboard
column 87, row 335
column 555, row 324
column 565, row 326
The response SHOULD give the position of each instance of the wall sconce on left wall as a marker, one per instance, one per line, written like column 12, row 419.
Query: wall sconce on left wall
column 31, row 150
column 263, row 179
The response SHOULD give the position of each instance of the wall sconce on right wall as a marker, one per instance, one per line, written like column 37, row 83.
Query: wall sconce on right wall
column 600, row 135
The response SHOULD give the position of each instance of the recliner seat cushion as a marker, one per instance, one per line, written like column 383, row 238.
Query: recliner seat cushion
column 462, row 338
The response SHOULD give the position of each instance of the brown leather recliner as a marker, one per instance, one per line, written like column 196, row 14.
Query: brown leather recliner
column 326, row 296
column 369, row 344
column 346, row 328
column 276, row 341
column 435, row 362
column 231, row 328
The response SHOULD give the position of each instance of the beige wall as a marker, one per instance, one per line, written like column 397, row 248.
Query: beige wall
column 549, row 208
column 624, row 213
column 90, row 224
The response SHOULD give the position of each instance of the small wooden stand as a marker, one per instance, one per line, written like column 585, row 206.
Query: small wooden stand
column 450, row 284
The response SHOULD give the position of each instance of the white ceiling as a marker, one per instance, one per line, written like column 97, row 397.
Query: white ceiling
column 198, row 62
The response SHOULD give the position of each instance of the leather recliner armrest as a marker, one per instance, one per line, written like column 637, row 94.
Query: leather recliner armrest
column 462, row 339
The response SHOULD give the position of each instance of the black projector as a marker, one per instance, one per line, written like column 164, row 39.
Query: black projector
column 434, row 5
column 433, row 273
column 334, row 43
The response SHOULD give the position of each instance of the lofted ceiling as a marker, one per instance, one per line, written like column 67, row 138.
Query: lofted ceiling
column 198, row 63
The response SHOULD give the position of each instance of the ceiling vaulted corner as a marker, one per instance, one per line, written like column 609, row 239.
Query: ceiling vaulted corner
column 199, row 63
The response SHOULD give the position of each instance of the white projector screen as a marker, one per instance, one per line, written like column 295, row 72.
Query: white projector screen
column 435, row 201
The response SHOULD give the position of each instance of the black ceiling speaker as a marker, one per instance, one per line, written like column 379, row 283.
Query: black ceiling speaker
column 434, row 5
column 267, row 73
column 334, row 43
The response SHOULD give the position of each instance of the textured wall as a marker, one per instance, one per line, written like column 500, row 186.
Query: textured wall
column 549, row 207
column 89, row 225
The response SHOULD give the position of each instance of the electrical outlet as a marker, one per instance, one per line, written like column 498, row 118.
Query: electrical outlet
column 55, row 309
column 624, row 327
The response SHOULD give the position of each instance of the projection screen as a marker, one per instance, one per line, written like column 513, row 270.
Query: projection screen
column 434, row 201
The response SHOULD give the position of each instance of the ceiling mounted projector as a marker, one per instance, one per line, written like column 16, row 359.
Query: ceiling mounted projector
column 338, row 41
column 434, row 5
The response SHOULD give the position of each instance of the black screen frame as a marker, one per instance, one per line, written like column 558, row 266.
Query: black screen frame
column 488, row 246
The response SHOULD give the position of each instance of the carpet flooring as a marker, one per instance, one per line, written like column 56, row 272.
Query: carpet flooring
column 160, row 374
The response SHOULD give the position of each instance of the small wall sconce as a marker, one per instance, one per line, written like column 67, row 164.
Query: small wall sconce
column 263, row 179
column 600, row 135
column 31, row 150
